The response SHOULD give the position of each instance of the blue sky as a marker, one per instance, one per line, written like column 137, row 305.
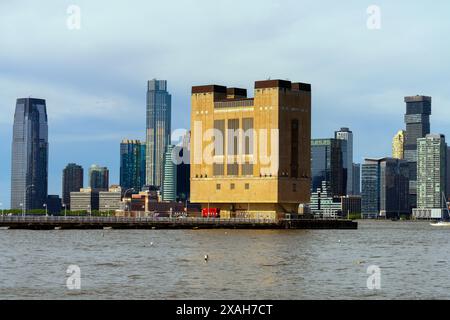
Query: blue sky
column 94, row 78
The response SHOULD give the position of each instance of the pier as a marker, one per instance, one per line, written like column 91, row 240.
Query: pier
column 88, row 222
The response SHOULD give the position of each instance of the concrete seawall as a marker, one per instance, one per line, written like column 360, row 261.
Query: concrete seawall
column 52, row 222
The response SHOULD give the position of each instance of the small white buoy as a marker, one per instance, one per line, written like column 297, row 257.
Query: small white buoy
column 206, row 257
column 339, row 241
column 151, row 243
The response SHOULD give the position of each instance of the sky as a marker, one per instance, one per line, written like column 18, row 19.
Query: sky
column 94, row 77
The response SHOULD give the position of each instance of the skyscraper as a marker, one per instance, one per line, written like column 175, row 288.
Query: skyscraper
column 29, row 171
column 98, row 178
column 158, row 129
column 244, row 181
column 347, row 159
column 72, row 180
column 385, row 188
column 327, row 165
column 132, row 164
column 417, row 119
column 398, row 145
column 431, row 171
column 169, row 188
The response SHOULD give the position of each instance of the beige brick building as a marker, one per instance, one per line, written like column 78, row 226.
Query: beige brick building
column 251, row 157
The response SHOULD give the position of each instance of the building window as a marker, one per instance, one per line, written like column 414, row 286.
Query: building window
column 232, row 186
column 218, row 186
column 294, row 148
column 247, row 186
column 218, row 169
column 247, row 169
column 294, row 187
column 232, row 169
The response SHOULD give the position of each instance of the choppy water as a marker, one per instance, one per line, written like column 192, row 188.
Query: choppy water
column 243, row 264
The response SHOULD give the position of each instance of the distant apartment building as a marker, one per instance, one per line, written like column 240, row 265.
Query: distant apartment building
column 324, row 204
column 110, row 200
column 84, row 200
column 346, row 135
column 264, row 178
column 385, row 187
column 356, row 179
column 327, row 164
column 398, row 145
column 98, row 178
column 29, row 165
column 169, row 188
column 417, row 120
column 159, row 110
column 72, row 180
column 132, row 164
column 431, row 174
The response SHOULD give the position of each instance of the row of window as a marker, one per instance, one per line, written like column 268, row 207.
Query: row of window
column 233, row 186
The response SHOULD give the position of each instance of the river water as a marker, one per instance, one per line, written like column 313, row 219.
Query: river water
column 413, row 260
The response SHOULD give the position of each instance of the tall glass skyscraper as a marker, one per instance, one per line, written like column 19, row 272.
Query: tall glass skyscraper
column 98, row 178
column 158, row 129
column 385, row 187
column 132, row 164
column 417, row 120
column 327, row 165
column 347, row 153
column 72, row 181
column 29, row 172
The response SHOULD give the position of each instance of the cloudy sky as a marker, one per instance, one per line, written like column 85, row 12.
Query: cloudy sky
column 94, row 78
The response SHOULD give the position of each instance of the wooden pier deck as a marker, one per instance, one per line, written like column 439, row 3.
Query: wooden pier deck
column 87, row 222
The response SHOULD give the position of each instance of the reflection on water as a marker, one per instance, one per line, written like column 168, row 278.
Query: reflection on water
column 243, row 264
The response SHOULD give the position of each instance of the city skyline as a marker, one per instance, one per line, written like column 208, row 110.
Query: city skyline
column 93, row 93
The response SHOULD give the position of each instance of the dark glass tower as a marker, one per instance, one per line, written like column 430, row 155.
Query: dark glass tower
column 132, row 165
column 384, row 188
column 72, row 181
column 159, row 110
column 29, row 171
column 98, row 178
column 417, row 120
column 327, row 165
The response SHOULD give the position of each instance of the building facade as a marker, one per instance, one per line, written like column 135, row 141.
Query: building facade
column 257, row 161
column 159, row 109
column 347, row 157
column 132, row 164
column 110, row 200
column 398, row 145
column 98, row 178
column 356, row 179
column 29, row 171
column 169, row 188
column 417, row 120
column 72, row 180
column 84, row 200
column 327, row 165
column 53, row 204
column 431, row 172
column 385, row 188
column 324, row 204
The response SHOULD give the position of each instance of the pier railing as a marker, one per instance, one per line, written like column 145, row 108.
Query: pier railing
column 122, row 220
